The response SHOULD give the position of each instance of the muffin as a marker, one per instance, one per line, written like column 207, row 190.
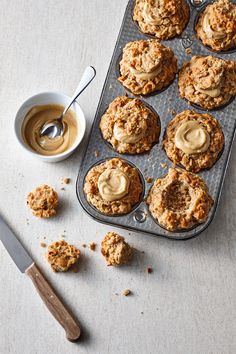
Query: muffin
column 147, row 66
column 216, row 26
column 164, row 19
column 193, row 140
column 43, row 201
column 113, row 187
column 180, row 200
column 61, row 256
column 129, row 126
column 208, row 81
column 115, row 249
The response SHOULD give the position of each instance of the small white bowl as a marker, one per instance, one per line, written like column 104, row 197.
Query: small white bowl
column 45, row 98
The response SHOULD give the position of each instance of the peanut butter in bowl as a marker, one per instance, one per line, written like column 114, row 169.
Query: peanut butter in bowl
column 43, row 145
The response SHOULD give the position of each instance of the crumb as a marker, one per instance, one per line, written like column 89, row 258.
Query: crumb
column 62, row 189
column 66, row 180
column 149, row 270
column 149, row 179
column 188, row 50
column 96, row 153
column 126, row 292
column 43, row 244
column 142, row 252
column 163, row 165
column 142, row 313
column 173, row 112
column 110, row 87
column 84, row 245
column 116, row 294
column 92, row 246
column 63, row 236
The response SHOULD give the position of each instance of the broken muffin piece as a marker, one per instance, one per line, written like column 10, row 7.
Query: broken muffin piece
column 61, row 256
column 115, row 249
column 43, row 201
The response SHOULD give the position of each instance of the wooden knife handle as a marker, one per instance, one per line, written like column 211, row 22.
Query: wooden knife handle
column 53, row 303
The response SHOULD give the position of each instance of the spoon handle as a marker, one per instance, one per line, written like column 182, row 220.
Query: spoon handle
column 87, row 77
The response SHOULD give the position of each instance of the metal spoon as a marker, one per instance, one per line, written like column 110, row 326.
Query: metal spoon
column 56, row 126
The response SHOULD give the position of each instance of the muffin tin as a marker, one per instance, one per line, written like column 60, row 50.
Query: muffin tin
column 166, row 104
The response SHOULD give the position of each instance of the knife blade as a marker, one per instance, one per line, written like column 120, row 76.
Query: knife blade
column 26, row 265
column 14, row 247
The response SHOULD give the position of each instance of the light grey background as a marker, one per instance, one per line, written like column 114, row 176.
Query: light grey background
column 187, row 305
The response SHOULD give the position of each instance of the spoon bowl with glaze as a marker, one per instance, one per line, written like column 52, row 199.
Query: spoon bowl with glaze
column 56, row 127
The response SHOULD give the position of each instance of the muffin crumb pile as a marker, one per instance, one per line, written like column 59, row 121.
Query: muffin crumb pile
column 61, row 255
column 43, row 201
column 115, row 249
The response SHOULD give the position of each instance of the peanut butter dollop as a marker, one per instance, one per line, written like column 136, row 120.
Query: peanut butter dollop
column 214, row 92
column 121, row 134
column 142, row 75
column 210, row 33
column 192, row 138
column 150, row 16
column 44, row 145
column 113, row 184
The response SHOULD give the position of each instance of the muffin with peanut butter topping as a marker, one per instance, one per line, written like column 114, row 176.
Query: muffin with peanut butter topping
column 162, row 18
column 113, row 187
column 129, row 126
column 216, row 26
column 208, row 81
column 147, row 66
column 180, row 200
column 193, row 140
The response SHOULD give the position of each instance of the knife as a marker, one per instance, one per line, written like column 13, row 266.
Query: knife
column 26, row 265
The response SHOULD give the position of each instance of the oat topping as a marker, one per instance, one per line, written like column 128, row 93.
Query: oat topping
column 115, row 249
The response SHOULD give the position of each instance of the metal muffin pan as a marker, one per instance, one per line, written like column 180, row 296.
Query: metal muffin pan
column 164, row 103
